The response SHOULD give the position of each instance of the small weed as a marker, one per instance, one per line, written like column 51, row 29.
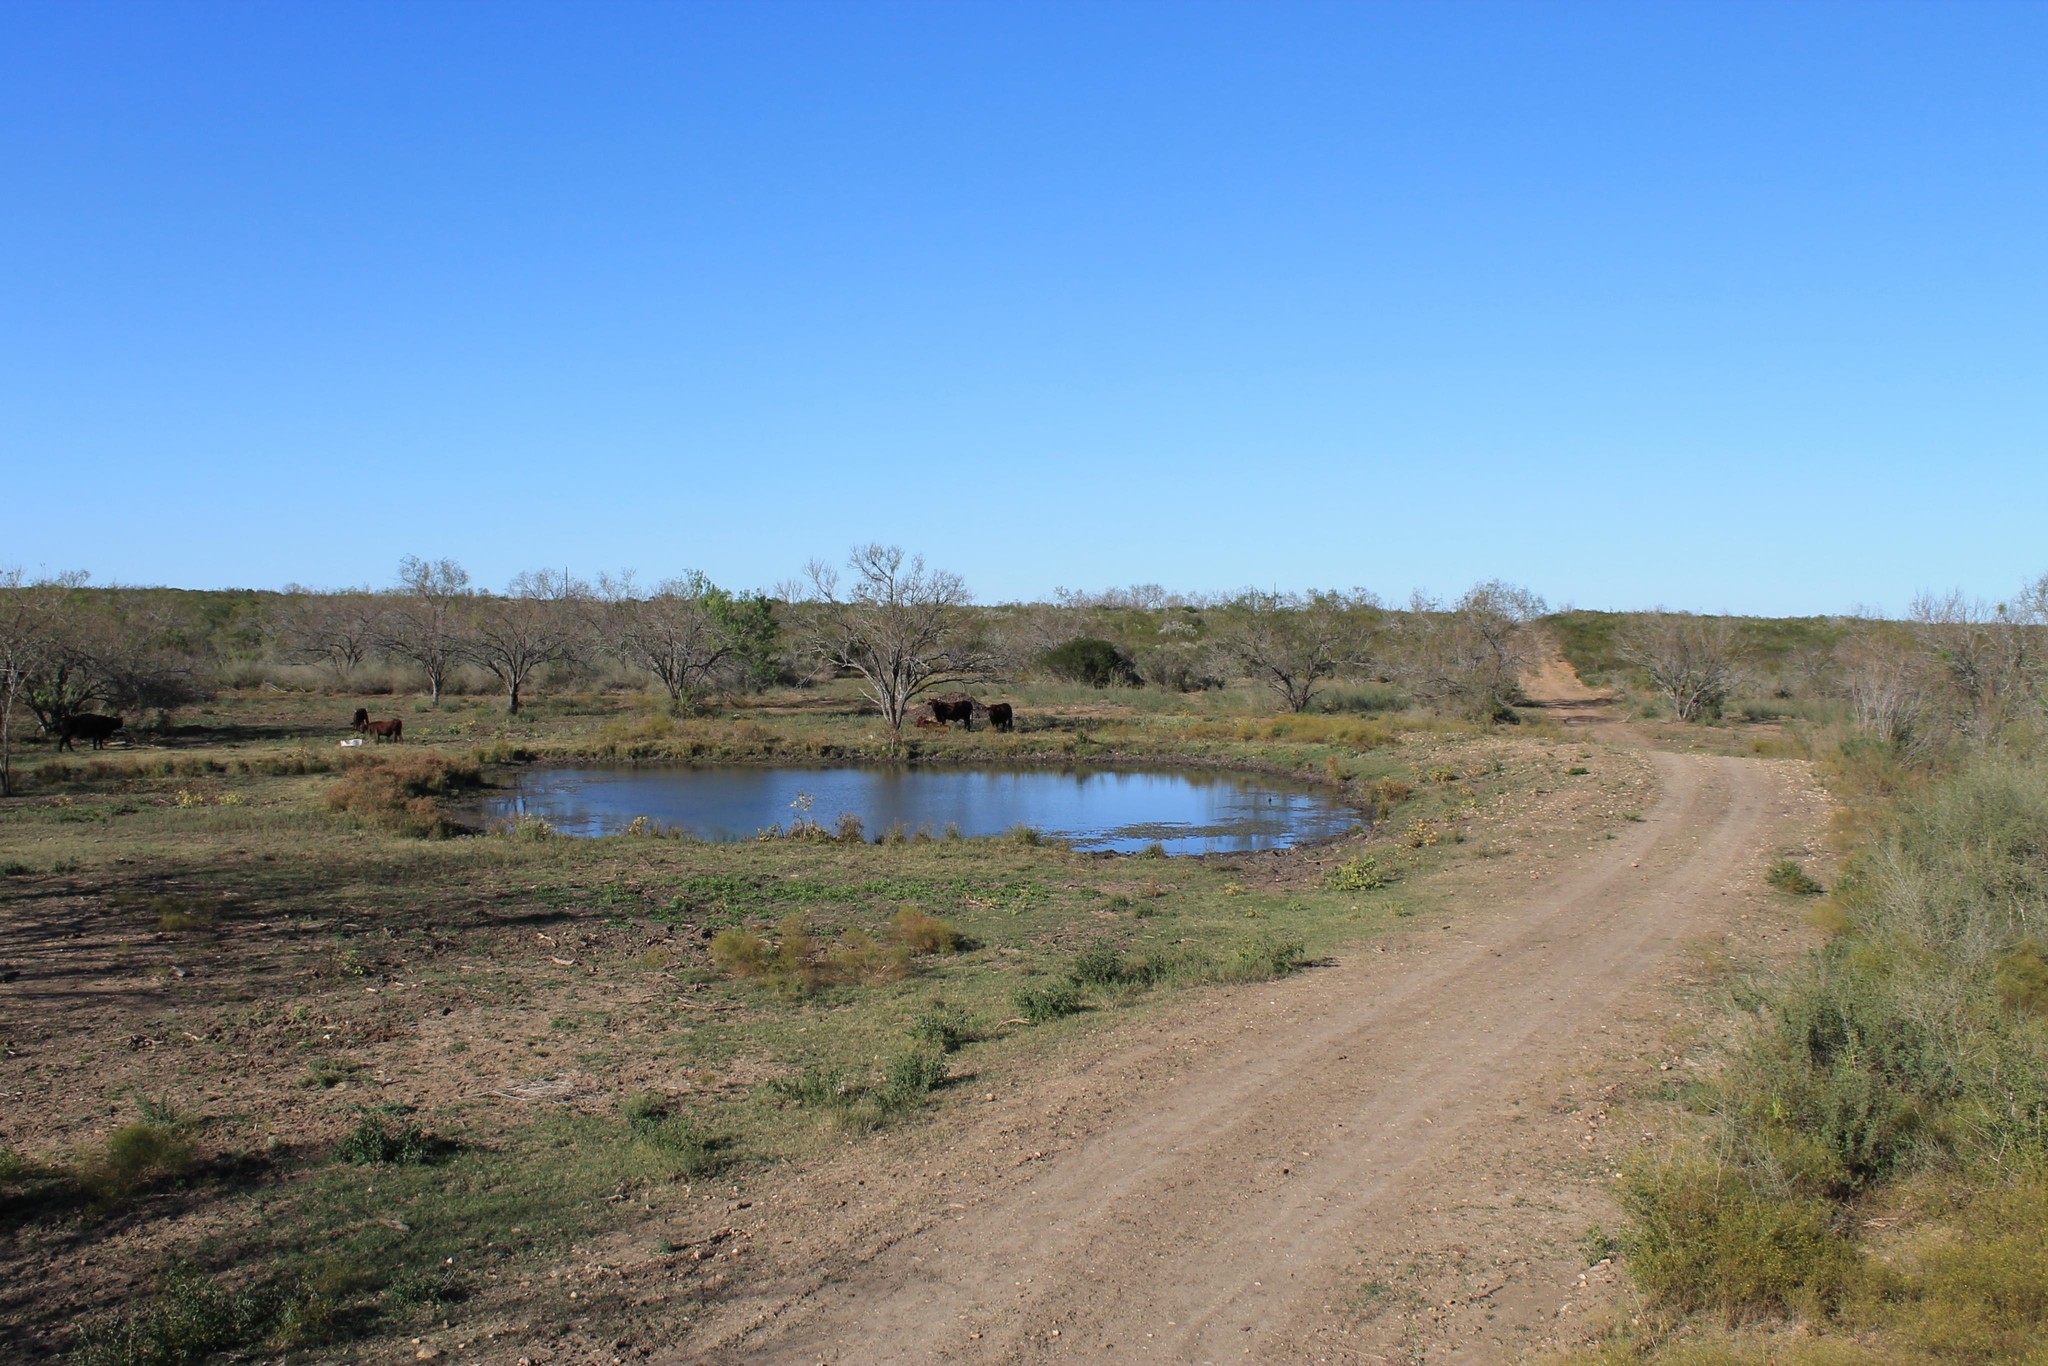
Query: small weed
column 1153, row 850
column 1789, row 878
column 814, row 1088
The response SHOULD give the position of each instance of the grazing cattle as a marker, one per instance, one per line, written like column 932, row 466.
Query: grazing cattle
column 1000, row 716
column 360, row 719
column 393, row 729
column 85, row 724
column 954, row 706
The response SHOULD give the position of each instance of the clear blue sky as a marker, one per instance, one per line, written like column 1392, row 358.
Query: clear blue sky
column 1719, row 306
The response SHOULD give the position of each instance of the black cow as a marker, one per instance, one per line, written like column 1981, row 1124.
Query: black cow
column 1000, row 716
column 953, row 706
column 85, row 724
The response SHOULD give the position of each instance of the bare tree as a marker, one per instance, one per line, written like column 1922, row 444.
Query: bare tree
column 423, row 625
column 1470, row 657
column 27, row 645
column 1294, row 643
column 1985, row 655
column 689, row 632
column 899, row 625
column 340, row 630
column 1690, row 659
column 538, row 622
column 1887, row 682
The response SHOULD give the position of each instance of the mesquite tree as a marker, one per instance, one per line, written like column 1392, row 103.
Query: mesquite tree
column 1294, row 643
column 422, row 625
column 900, row 626
column 539, row 621
column 1690, row 659
column 689, row 633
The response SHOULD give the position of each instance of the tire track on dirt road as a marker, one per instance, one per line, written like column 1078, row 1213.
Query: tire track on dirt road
column 1220, row 1217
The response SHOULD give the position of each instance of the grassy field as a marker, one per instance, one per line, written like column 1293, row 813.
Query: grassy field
column 287, row 1070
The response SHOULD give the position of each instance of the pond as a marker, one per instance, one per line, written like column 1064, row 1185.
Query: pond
column 1120, row 809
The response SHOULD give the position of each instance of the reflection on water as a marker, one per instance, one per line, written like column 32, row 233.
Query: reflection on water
column 1188, row 813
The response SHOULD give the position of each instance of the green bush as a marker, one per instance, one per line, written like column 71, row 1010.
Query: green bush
column 1095, row 662
column 1041, row 1004
column 947, row 1028
column 910, row 1078
column 370, row 1143
column 1361, row 874
column 1704, row 1240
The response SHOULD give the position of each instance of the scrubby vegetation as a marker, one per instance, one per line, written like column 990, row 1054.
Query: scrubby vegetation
column 1873, row 1164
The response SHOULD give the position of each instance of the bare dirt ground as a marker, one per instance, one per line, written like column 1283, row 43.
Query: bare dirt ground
column 1394, row 1158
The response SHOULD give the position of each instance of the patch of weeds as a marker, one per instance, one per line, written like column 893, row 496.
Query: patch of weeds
column 327, row 1073
column 947, row 1028
column 1030, row 836
column 16, row 868
column 1577, row 771
column 910, row 1078
column 2023, row 978
column 414, row 1289
column 1789, row 878
column 1099, row 965
column 814, row 1088
column 189, row 1318
column 1048, row 1002
column 1361, row 874
column 923, row 934
column 1153, row 850
column 1596, row 1244
column 370, row 1143
column 1266, row 958
column 678, row 1137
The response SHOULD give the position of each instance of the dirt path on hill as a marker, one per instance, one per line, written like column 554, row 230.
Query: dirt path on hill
column 1394, row 1158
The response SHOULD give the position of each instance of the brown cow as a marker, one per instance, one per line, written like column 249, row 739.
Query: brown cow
column 393, row 729
column 954, row 706
column 1000, row 716
column 93, row 728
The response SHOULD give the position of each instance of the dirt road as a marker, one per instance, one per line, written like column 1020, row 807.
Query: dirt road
column 1388, row 1159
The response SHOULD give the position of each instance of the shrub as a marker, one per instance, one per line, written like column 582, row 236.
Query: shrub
column 860, row 957
column 1361, row 874
column 397, row 793
column 923, row 934
column 139, row 1155
column 1041, row 1004
column 371, row 1144
column 815, row 1087
column 1095, row 662
column 788, row 966
column 1100, row 966
column 1266, row 958
column 947, row 1028
column 1704, row 1239
column 1790, row 878
column 910, row 1078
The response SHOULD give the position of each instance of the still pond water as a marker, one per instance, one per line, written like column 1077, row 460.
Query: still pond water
column 1121, row 810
